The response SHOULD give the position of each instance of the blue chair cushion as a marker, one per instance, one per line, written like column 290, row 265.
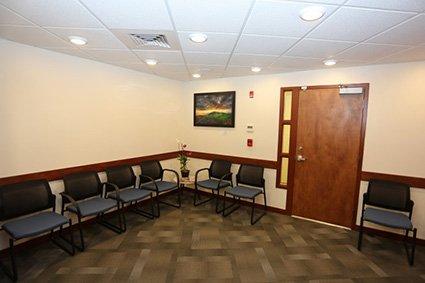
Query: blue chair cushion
column 93, row 206
column 244, row 192
column 387, row 218
column 34, row 225
column 130, row 194
column 212, row 184
column 162, row 186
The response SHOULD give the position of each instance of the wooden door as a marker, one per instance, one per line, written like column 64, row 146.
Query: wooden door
column 328, row 154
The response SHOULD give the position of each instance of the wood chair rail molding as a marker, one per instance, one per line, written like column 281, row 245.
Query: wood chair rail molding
column 58, row 174
column 414, row 182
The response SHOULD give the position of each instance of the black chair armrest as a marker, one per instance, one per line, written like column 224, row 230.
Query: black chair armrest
column 223, row 177
column 72, row 201
column 113, row 186
column 198, row 171
column 175, row 173
column 151, row 181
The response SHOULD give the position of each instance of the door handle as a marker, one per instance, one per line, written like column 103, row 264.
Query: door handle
column 301, row 158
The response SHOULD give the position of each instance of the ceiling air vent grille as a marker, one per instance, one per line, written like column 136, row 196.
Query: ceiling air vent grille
column 153, row 40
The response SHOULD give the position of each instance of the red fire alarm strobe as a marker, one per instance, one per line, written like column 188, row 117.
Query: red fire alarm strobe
column 249, row 142
column 251, row 94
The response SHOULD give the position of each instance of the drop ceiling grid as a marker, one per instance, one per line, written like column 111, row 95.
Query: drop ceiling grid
column 233, row 47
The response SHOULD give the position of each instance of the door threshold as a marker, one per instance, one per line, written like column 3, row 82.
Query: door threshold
column 321, row 222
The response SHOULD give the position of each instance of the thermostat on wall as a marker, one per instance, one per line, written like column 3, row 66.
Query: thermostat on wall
column 250, row 128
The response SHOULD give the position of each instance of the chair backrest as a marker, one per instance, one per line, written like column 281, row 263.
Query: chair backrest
column 251, row 175
column 25, row 198
column 219, row 168
column 122, row 176
column 389, row 195
column 83, row 185
column 151, row 168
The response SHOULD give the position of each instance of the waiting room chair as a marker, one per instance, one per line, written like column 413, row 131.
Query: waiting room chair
column 249, row 184
column 389, row 196
column 219, row 177
column 122, row 178
column 152, row 179
column 27, row 203
column 83, row 196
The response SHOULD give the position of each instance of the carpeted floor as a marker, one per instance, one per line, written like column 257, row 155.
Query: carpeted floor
column 195, row 244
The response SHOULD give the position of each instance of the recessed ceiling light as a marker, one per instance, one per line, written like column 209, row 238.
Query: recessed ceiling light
column 255, row 69
column 151, row 62
column 312, row 13
column 77, row 40
column 198, row 37
column 196, row 76
column 330, row 62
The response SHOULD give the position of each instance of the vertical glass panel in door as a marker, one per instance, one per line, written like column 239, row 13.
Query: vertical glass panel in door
column 284, row 171
column 287, row 105
column 286, row 133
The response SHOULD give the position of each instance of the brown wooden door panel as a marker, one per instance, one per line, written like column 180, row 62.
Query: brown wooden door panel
column 329, row 132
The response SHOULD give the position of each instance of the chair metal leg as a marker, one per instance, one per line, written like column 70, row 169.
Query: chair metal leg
column 230, row 206
column 253, row 221
column 360, row 239
column 13, row 272
column 63, row 238
column 80, row 228
column 197, row 196
column 137, row 209
column 410, row 253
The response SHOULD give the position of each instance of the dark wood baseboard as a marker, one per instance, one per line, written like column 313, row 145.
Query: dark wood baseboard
column 58, row 174
column 415, row 182
column 388, row 235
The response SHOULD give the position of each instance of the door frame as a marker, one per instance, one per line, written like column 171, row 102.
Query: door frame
column 293, row 141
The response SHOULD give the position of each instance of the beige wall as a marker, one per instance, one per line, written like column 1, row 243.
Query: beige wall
column 59, row 111
column 395, row 132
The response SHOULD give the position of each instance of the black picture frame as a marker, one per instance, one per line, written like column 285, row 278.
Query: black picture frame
column 223, row 115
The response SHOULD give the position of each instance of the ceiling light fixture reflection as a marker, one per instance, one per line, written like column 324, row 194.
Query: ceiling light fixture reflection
column 196, row 76
column 255, row 69
column 77, row 40
column 330, row 62
column 312, row 13
column 151, row 62
column 198, row 37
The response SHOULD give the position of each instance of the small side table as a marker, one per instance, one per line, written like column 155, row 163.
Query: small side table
column 187, row 181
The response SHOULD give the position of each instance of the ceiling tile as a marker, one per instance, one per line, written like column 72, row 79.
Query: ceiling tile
column 96, row 38
column 315, row 48
column 206, row 58
column 356, row 24
column 140, row 67
column 216, row 42
column 110, row 55
column 165, row 57
column 410, row 32
column 31, row 36
column 180, row 75
column 71, row 51
column 238, row 71
column 296, row 63
column 213, row 16
column 169, row 68
column 8, row 17
column 251, row 60
column 54, row 13
column 269, row 45
column 404, row 5
column 412, row 54
column 281, row 18
column 124, row 36
column 336, row 2
column 131, row 14
column 370, row 52
column 206, row 68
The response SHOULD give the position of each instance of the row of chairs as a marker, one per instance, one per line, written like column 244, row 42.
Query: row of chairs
column 28, row 209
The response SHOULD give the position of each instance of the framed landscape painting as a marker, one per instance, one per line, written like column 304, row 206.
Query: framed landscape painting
column 214, row 109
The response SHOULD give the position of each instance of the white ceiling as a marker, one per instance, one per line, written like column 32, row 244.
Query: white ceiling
column 241, row 33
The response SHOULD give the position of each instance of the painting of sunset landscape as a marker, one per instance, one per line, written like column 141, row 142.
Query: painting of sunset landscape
column 214, row 109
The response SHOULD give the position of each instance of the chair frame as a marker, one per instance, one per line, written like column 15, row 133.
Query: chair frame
column 410, row 253
column 236, row 201
column 156, row 190
column 216, row 196
column 100, row 217
column 12, row 273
